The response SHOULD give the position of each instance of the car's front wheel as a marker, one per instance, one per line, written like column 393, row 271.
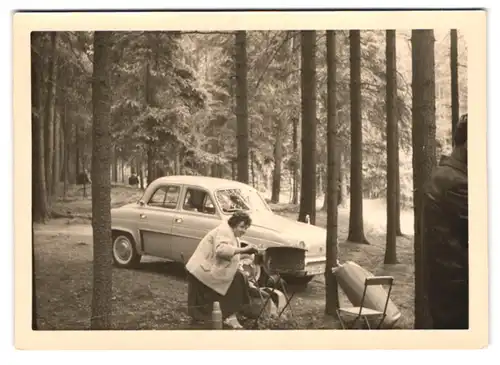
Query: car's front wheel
column 124, row 252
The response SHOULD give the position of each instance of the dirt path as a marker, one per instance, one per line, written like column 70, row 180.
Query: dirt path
column 63, row 226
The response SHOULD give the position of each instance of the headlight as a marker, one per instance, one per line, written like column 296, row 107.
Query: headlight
column 302, row 244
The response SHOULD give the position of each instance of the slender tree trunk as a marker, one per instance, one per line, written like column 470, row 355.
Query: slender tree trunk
column 141, row 173
column 151, row 173
column 122, row 171
column 241, row 106
column 392, row 147
column 49, row 114
column 295, row 134
column 333, row 160
column 77, row 152
column 34, row 300
column 308, row 95
column 56, row 170
column 252, row 167
column 424, row 155
column 148, row 92
column 101, row 184
column 62, row 146
column 67, row 146
column 114, row 167
column 278, row 157
column 295, row 167
column 342, row 181
column 40, row 210
column 234, row 165
column 455, row 108
column 356, row 229
column 399, row 233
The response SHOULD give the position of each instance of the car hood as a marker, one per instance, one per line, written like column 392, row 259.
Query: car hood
column 313, row 236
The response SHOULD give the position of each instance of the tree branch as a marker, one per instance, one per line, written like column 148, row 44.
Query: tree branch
column 259, row 80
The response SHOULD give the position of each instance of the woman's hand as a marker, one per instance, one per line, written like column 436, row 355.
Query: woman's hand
column 249, row 250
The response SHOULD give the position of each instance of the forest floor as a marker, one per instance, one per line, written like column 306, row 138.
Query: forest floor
column 154, row 295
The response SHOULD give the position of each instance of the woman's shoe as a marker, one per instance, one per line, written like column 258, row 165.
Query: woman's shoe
column 232, row 322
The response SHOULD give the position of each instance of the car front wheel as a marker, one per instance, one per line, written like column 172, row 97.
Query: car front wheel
column 124, row 252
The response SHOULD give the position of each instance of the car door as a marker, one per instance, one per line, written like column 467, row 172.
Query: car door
column 156, row 218
column 196, row 217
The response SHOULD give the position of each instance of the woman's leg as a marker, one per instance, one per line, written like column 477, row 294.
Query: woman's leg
column 236, row 297
column 200, row 299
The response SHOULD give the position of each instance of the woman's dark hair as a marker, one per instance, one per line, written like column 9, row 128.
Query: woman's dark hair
column 239, row 217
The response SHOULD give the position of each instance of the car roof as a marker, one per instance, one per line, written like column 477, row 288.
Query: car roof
column 208, row 182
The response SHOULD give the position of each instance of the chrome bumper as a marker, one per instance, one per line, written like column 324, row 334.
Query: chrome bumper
column 315, row 266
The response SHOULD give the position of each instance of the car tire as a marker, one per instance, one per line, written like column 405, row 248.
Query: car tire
column 124, row 252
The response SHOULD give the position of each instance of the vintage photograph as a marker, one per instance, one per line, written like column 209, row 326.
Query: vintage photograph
column 289, row 179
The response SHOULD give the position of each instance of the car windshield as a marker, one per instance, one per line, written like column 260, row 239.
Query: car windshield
column 232, row 200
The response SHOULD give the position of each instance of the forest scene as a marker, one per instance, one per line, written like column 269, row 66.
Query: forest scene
column 338, row 128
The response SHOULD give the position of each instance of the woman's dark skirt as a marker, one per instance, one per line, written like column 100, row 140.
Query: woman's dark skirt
column 201, row 298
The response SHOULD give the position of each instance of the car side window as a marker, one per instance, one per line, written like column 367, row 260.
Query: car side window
column 165, row 197
column 197, row 200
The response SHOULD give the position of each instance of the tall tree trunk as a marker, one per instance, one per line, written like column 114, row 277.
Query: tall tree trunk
column 295, row 166
column 122, row 171
column 332, row 186
column 40, row 210
column 342, row 181
column 56, row 166
column 101, row 184
column 399, row 233
column 233, row 170
column 455, row 107
column 148, row 92
column 34, row 301
column 114, row 167
column 392, row 146
column 214, row 167
column 62, row 146
column 252, row 167
column 151, row 172
column 241, row 106
column 278, row 157
column 308, row 95
column 356, row 229
column 297, row 126
column 49, row 114
column 77, row 151
column 424, row 153
column 141, row 173
column 67, row 146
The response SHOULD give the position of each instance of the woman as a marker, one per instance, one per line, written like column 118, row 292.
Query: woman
column 213, row 273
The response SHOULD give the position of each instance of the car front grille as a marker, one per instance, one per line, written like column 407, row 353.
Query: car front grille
column 284, row 259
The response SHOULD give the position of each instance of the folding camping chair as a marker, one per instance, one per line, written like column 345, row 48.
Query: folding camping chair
column 366, row 313
column 274, row 262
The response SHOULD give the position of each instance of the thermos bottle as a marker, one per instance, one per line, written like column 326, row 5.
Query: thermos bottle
column 216, row 316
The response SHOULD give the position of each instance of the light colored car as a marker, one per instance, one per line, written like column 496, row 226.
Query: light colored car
column 175, row 213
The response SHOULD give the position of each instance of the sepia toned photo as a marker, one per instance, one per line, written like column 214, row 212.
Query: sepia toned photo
column 253, row 178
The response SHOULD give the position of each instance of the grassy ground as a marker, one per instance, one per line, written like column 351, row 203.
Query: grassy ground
column 154, row 296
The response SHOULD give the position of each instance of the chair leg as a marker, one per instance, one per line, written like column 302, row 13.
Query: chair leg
column 255, row 325
column 381, row 321
column 340, row 319
column 287, row 305
column 367, row 323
